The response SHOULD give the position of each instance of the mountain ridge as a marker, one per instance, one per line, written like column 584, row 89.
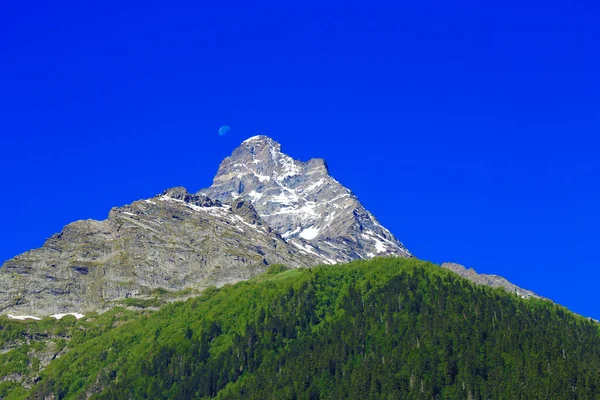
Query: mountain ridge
column 491, row 280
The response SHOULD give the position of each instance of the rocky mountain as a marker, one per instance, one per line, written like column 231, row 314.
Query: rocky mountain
column 174, row 241
column 302, row 203
column 264, row 208
column 494, row 281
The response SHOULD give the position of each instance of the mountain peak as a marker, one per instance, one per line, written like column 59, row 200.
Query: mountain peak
column 259, row 138
column 260, row 158
column 302, row 203
column 261, row 145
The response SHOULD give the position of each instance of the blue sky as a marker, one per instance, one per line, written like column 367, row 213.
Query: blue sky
column 470, row 130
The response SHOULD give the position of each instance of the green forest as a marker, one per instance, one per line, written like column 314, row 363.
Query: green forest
column 387, row 328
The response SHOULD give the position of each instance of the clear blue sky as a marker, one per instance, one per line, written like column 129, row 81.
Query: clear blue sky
column 471, row 131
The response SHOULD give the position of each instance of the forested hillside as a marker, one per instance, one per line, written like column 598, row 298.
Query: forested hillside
column 382, row 329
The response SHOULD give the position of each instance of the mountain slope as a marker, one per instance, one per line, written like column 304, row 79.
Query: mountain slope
column 174, row 241
column 385, row 328
column 302, row 203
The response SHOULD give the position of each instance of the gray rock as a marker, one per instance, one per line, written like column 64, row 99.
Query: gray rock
column 174, row 241
column 494, row 281
column 302, row 203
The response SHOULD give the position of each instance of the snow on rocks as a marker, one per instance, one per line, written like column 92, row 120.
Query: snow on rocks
column 309, row 233
column 55, row 316
column 253, row 138
column 23, row 317
column 255, row 196
column 315, row 185
column 61, row 316
column 291, row 233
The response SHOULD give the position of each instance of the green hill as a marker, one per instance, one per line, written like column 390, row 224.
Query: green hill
column 379, row 329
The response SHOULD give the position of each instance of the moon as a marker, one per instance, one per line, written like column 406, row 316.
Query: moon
column 224, row 130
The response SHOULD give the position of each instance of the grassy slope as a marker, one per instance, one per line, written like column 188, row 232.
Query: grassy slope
column 385, row 328
column 28, row 346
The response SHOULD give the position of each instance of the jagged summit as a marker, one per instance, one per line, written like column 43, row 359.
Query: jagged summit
column 261, row 138
column 302, row 202
column 261, row 157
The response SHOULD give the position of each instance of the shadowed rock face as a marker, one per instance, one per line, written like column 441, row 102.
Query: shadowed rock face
column 494, row 281
column 302, row 203
column 263, row 208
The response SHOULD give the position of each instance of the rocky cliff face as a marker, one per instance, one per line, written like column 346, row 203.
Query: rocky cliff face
column 173, row 241
column 264, row 208
column 302, row 203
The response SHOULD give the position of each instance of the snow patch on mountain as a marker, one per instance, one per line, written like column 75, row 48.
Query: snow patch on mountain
column 309, row 233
